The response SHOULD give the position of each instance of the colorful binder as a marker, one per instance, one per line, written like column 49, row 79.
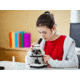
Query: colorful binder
column 27, row 39
column 19, row 39
column 16, row 40
column 22, row 38
column 10, row 39
column 13, row 40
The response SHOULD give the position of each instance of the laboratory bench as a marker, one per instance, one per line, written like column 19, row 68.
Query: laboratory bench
column 6, row 58
column 9, row 65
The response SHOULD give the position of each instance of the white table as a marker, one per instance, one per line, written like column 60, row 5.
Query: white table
column 9, row 65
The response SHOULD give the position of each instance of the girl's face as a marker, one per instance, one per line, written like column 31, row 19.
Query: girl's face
column 45, row 32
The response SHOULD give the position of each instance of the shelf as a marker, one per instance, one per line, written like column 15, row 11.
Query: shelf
column 15, row 49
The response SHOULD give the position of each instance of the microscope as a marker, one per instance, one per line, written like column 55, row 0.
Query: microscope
column 37, row 54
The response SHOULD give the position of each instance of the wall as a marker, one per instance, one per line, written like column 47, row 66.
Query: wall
column 75, row 16
column 25, row 20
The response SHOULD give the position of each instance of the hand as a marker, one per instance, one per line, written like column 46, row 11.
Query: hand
column 46, row 58
column 32, row 45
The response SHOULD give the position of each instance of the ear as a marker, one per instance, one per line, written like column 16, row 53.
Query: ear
column 53, row 28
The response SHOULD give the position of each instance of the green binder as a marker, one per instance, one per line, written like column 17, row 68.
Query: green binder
column 22, row 38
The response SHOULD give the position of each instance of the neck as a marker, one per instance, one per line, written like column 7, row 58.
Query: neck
column 54, row 37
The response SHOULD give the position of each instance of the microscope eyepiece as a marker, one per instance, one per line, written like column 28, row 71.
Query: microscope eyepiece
column 39, row 40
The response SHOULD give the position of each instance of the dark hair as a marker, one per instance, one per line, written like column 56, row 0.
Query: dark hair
column 46, row 19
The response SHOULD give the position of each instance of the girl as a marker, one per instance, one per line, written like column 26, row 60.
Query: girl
column 59, row 49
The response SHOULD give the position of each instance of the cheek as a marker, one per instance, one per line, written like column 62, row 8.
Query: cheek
column 48, row 36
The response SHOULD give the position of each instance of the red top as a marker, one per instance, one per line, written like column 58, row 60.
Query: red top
column 55, row 48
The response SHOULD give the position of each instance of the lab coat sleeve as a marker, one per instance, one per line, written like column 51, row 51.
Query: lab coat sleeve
column 28, row 59
column 71, row 61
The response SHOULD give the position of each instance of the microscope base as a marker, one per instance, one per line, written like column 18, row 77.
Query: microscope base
column 38, row 65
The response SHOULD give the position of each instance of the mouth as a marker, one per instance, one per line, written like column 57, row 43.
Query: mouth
column 45, row 38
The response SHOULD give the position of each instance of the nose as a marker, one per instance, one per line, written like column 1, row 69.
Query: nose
column 43, row 36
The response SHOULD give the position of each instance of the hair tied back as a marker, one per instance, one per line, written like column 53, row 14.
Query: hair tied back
column 47, row 12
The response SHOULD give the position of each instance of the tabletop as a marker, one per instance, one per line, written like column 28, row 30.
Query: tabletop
column 9, row 65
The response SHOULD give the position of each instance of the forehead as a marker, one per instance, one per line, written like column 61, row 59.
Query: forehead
column 43, row 28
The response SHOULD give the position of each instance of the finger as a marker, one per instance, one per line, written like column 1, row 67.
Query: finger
column 45, row 55
column 33, row 44
column 47, row 62
column 42, row 57
column 45, row 58
column 44, row 61
column 31, row 49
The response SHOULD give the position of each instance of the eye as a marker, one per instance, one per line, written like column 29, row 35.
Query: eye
column 40, row 32
column 44, row 32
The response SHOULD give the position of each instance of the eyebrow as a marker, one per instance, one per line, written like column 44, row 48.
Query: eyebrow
column 42, row 31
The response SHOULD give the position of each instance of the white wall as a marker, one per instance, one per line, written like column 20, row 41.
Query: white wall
column 75, row 16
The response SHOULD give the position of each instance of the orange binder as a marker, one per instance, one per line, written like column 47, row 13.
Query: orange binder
column 10, row 39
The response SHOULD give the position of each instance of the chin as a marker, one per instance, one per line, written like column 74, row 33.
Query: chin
column 46, row 39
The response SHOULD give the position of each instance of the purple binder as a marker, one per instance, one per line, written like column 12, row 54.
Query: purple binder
column 27, row 39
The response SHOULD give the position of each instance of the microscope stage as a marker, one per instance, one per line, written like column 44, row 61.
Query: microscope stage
column 36, row 55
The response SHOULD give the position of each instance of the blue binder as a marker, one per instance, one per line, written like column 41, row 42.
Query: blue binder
column 16, row 40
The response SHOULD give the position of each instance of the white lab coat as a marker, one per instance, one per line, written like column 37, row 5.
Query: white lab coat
column 70, row 58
